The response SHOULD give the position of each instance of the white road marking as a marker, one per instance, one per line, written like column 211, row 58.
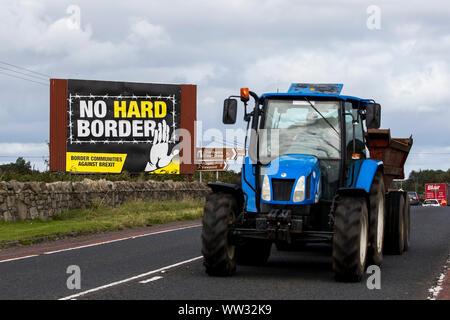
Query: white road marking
column 121, row 239
column 435, row 290
column 84, row 246
column 151, row 279
column 104, row 242
column 19, row 258
column 74, row 296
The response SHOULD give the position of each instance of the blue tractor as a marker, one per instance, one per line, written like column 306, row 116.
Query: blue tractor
column 307, row 177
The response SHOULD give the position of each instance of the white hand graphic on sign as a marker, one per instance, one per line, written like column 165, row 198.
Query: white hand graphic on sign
column 159, row 156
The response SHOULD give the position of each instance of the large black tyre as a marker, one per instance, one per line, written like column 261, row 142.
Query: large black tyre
column 350, row 239
column 407, row 219
column 219, row 255
column 394, row 238
column 376, row 220
column 253, row 252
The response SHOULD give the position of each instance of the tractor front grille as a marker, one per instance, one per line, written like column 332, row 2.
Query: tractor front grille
column 282, row 189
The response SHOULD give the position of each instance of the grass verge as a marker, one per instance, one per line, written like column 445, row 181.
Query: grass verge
column 100, row 219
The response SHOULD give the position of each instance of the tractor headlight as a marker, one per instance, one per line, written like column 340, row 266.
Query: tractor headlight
column 265, row 194
column 299, row 190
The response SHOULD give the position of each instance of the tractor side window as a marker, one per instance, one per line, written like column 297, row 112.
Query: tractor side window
column 359, row 140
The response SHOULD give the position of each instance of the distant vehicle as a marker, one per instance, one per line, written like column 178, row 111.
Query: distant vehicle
column 438, row 191
column 413, row 198
column 431, row 203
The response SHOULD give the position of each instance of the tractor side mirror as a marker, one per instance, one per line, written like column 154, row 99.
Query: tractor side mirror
column 229, row 111
column 373, row 116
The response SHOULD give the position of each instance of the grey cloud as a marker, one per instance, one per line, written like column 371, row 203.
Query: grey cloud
column 224, row 45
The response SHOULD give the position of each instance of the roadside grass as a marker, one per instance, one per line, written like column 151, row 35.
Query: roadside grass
column 100, row 218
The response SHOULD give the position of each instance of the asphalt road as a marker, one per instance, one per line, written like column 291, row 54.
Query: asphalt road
column 170, row 266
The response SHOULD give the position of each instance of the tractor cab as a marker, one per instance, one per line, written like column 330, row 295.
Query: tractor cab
column 302, row 144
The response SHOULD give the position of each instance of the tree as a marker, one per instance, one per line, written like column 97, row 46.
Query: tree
column 417, row 179
column 20, row 166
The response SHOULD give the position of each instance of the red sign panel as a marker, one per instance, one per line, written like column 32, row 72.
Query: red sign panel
column 436, row 191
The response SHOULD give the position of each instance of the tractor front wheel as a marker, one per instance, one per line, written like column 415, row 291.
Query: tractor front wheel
column 219, row 254
column 350, row 239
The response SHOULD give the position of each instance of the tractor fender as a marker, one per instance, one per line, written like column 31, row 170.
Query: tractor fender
column 229, row 188
column 362, row 173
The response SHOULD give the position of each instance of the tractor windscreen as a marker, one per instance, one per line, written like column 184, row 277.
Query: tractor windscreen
column 296, row 127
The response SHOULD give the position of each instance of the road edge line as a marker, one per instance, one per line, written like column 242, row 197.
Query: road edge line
column 122, row 239
column 19, row 258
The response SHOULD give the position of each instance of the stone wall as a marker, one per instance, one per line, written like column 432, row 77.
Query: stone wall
column 31, row 200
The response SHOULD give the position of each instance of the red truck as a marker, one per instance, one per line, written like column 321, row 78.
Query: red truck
column 438, row 191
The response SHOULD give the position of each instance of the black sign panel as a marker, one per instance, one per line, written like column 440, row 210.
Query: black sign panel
column 122, row 126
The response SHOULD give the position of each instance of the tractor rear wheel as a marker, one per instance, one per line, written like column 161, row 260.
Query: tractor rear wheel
column 253, row 252
column 219, row 254
column 376, row 220
column 350, row 239
column 394, row 238
column 407, row 226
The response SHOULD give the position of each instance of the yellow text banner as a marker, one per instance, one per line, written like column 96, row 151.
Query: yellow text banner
column 95, row 162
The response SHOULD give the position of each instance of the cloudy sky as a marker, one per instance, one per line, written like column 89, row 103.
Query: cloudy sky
column 401, row 60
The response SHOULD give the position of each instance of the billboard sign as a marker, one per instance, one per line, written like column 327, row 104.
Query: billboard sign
column 112, row 127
